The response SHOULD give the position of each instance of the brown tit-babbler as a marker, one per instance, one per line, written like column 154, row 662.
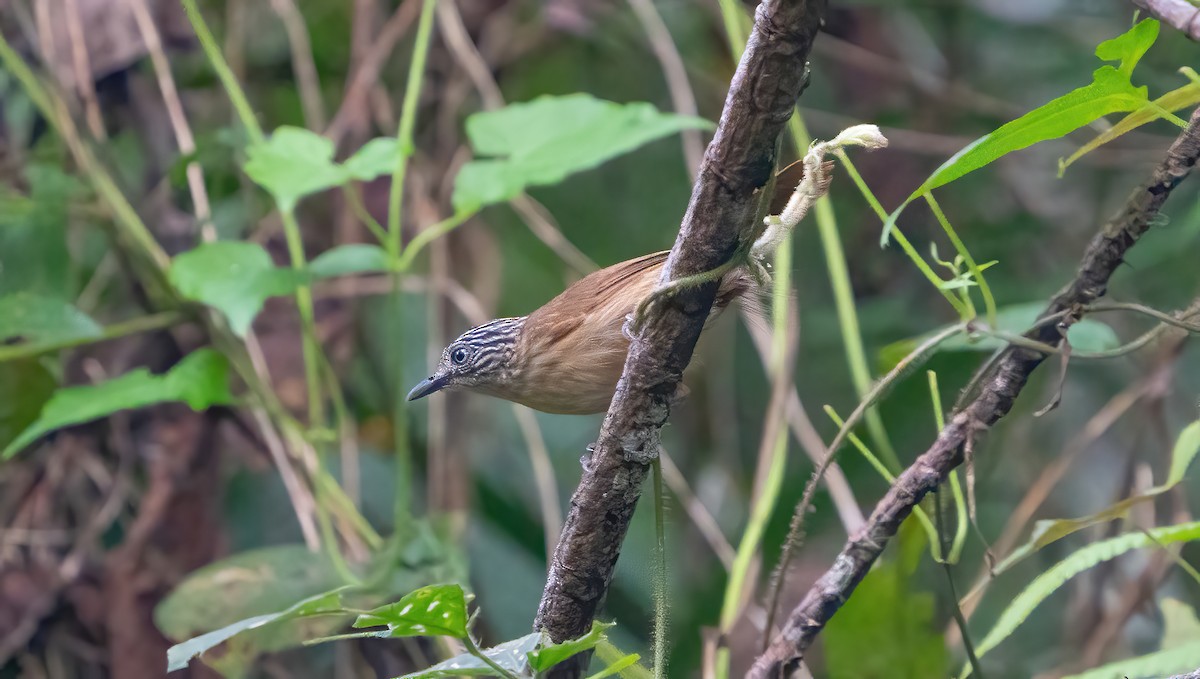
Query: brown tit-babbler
column 567, row 356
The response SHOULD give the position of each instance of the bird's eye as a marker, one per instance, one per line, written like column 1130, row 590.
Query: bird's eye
column 459, row 356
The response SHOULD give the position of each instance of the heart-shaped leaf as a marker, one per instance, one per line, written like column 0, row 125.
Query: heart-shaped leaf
column 232, row 276
column 541, row 142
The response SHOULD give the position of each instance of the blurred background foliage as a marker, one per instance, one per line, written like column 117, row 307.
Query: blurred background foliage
column 934, row 74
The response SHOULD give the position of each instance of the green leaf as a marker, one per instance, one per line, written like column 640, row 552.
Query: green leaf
column 894, row 622
column 35, row 318
column 617, row 667
column 233, row 277
column 349, row 259
column 1110, row 91
column 549, row 656
column 1184, row 453
column 1169, row 663
column 1179, row 653
column 376, row 158
column 1129, row 47
column 199, row 380
column 179, row 655
column 1049, row 582
column 543, row 141
column 245, row 592
column 1049, row 531
column 29, row 378
column 1180, row 624
column 434, row 610
column 292, row 163
column 510, row 655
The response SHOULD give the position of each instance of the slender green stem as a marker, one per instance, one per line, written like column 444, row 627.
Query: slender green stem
column 427, row 236
column 989, row 302
column 960, row 506
column 768, row 497
column 354, row 199
column 404, row 139
column 608, row 653
column 291, row 230
column 844, row 304
column 473, row 649
column 228, row 80
column 109, row 332
column 931, row 533
column 408, row 120
column 661, row 603
column 935, row 280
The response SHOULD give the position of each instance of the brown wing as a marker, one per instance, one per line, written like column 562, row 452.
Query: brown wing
column 564, row 314
column 786, row 181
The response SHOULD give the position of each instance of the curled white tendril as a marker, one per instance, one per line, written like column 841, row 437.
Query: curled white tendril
column 814, row 185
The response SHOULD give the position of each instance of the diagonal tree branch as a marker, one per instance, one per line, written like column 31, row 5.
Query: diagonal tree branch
column 720, row 215
column 1000, row 387
column 1181, row 14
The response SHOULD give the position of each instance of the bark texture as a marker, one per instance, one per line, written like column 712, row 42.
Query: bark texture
column 737, row 165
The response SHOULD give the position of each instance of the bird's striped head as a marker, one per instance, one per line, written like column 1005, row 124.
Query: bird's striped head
column 479, row 359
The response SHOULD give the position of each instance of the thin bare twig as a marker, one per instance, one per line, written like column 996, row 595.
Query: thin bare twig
column 179, row 122
column 307, row 81
column 683, row 99
column 1184, row 16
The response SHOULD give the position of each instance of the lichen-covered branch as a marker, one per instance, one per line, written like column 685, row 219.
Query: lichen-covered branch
column 999, row 388
column 720, row 215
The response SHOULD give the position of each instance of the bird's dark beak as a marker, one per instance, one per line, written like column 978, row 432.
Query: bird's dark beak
column 428, row 386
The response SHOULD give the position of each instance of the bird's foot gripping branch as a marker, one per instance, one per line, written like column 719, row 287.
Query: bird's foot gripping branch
column 817, row 173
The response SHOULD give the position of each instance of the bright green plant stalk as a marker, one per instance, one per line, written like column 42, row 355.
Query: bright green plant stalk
column 768, row 496
column 404, row 146
column 905, row 245
column 324, row 487
column 843, row 299
column 960, row 506
column 985, row 290
column 291, row 230
column 935, row 548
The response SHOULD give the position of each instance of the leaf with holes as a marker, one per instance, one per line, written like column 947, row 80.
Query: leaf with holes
column 200, row 380
column 511, row 655
column 35, row 318
column 292, row 163
column 543, row 141
column 549, row 656
column 434, row 610
column 235, row 278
